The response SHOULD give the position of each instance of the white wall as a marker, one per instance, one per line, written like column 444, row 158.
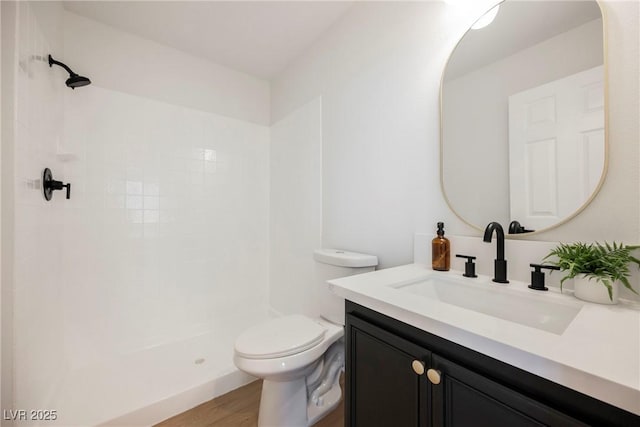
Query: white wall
column 131, row 64
column 295, row 208
column 479, row 99
column 378, row 72
column 37, row 343
column 7, row 40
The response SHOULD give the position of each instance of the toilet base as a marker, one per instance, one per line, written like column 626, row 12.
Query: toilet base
column 328, row 403
column 299, row 389
column 283, row 404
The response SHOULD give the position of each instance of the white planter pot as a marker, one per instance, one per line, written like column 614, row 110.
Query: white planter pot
column 590, row 290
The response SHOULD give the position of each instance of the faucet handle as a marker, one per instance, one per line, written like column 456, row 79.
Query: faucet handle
column 537, row 276
column 469, row 266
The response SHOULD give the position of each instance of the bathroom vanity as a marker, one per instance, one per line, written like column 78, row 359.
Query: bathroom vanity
column 414, row 359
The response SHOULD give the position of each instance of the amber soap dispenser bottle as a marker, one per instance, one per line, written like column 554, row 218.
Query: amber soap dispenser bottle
column 440, row 250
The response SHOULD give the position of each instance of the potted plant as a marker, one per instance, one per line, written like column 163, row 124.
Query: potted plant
column 596, row 269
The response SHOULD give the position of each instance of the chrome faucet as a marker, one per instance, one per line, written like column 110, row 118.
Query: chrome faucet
column 500, row 264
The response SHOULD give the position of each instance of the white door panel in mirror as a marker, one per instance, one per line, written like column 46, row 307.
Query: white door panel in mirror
column 556, row 148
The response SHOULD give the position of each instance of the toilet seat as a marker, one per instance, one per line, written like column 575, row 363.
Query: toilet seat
column 280, row 337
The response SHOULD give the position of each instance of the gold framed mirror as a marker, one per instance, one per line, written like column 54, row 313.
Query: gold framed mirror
column 523, row 106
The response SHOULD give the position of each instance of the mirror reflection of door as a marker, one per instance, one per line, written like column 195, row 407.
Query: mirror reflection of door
column 556, row 147
column 529, row 45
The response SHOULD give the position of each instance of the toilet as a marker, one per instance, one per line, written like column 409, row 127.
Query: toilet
column 300, row 358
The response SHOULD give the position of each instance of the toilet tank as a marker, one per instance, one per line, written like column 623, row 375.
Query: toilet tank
column 333, row 264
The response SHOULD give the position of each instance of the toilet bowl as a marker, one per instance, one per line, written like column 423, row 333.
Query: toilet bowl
column 290, row 354
column 300, row 358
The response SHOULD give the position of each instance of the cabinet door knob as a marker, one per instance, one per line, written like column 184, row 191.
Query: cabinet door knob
column 434, row 376
column 418, row 367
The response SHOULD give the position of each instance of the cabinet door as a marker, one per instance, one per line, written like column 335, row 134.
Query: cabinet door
column 464, row 398
column 382, row 385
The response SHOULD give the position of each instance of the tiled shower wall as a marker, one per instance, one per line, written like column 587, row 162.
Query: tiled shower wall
column 168, row 220
column 165, row 234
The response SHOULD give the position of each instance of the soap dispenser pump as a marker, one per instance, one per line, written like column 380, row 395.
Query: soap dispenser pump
column 440, row 250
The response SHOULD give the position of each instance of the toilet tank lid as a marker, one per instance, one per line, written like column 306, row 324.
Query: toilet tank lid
column 344, row 259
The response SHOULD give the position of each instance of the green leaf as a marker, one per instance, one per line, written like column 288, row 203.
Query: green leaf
column 605, row 263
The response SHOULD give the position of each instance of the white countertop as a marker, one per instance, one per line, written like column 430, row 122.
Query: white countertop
column 598, row 354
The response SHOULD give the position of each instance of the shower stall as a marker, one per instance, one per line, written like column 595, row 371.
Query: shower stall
column 120, row 305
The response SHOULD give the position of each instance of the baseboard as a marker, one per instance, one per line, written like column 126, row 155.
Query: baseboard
column 174, row 405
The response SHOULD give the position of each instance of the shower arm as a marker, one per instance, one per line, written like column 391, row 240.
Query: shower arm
column 53, row 61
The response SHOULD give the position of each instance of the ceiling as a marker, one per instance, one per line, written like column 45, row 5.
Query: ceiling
column 256, row 37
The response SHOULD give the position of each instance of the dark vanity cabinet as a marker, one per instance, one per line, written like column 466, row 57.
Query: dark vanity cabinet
column 464, row 398
column 385, row 389
column 398, row 375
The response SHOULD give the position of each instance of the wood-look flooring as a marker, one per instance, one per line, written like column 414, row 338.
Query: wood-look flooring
column 239, row 408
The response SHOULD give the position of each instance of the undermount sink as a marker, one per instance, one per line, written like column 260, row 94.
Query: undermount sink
column 495, row 300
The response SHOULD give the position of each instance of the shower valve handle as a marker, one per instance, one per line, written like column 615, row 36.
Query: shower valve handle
column 49, row 185
column 59, row 185
column 68, row 185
